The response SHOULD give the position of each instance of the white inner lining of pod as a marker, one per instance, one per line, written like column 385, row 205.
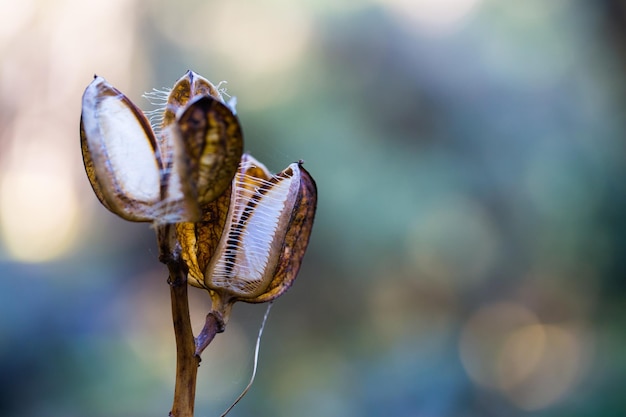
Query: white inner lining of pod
column 130, row 153
column 251, row 243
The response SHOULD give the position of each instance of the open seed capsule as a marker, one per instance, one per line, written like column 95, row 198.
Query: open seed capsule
column 264, row 235
column 166, row 177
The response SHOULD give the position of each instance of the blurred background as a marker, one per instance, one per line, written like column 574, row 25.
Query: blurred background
column 468, row 253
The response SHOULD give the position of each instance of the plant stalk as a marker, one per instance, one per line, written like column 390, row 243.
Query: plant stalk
column 188, row 348
column 187, row 361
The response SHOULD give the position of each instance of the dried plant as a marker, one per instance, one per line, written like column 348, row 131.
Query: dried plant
column 224, row 223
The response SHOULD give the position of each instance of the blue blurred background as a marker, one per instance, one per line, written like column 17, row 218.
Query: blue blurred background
column 468, row 253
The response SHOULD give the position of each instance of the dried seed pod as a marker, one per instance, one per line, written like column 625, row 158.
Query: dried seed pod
column 185, row 89
column 120, row 153
column 264, row 237
column 199, row 240
column 164, row 178
column 242, row 236
column 213, row 145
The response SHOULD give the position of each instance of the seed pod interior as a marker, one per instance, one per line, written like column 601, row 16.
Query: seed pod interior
column 260, row 210
column 120, row 152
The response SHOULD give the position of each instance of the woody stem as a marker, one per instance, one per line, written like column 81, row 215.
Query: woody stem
column 187, row 361
column 188, row 348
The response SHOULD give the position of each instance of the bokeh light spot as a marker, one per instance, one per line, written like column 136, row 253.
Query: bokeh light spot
column 441, row 16
column 38, row 213
column 484, row 336
column 258, row 38
column 503, row 346
column 549, row 358
column 453, row 239
column 39, row 207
